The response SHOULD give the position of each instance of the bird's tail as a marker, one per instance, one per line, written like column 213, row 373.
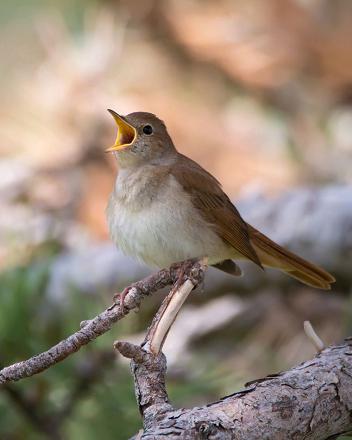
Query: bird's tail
column 273, row 255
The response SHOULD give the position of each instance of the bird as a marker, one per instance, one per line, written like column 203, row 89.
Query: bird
column 165, row 208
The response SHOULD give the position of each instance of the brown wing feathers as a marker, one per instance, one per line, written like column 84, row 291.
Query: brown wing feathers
column 215, row 206
column 217, row 209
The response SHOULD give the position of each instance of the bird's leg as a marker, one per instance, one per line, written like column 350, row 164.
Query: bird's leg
column 182, row 270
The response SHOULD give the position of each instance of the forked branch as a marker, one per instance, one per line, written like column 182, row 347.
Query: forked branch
column 148, row 363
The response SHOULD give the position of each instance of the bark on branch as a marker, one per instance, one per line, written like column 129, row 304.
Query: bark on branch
column 312, row 401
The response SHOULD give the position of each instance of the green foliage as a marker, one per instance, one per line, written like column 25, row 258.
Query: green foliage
column 103, row 402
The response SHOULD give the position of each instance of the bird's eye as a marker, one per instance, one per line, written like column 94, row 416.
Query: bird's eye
column 147, row 129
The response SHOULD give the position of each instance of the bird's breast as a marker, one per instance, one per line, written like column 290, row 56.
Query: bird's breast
column 158, row 224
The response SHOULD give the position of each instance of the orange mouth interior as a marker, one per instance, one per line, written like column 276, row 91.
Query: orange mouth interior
column 126, row 133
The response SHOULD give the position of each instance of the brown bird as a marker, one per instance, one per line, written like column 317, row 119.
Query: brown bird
column 165, row 208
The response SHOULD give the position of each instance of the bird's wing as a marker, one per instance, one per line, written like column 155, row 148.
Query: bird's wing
column 214, row 205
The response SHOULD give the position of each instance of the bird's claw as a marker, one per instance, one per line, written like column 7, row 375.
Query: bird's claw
column 119, row 298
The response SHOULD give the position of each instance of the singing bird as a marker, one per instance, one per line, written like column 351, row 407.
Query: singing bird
column 165, row 208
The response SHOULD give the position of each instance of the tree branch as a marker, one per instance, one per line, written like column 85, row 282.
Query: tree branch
column 99, row 325
column 312, row 401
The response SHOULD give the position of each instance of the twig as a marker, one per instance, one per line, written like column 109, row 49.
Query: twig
column 91, row 328
column 178, row 297
column 312, row 336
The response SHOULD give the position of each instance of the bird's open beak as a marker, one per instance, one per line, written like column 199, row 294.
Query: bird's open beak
column 126, row 134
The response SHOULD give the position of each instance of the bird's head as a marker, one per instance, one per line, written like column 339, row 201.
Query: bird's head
column 141, row 138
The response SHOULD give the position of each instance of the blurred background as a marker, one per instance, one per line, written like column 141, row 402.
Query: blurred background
column 260, row 94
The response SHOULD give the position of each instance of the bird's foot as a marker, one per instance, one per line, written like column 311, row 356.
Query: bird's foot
column 119, row 298
column 181, row 271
